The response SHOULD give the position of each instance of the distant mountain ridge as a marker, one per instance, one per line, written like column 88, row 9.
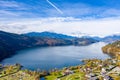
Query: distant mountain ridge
column 49, row 35
column 10, row 43
column 76, row 41
column 108, row 39
column 111, row 38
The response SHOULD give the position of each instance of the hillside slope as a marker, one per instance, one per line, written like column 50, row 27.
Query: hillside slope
column 9, row 43
column 49, row 35
column 112, row 49
column 76, row 41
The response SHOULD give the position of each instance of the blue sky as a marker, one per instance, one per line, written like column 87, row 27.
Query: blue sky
column 21, row 16
column 69, row 8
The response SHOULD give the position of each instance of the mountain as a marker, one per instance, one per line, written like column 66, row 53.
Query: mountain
column 111, row 38
column 94, row 37
column 112, row 48
column 108, row 39
column 84, row 41
column 97, row 38
column 76, row 41
column 49, row 35
column 9, row 43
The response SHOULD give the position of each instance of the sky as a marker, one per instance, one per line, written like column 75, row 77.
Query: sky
column 84, row 17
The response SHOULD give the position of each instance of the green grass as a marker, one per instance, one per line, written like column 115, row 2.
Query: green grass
column 75, row 76
column 51, row 77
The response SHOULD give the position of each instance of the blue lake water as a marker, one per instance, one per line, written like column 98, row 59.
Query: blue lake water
column 56, row 57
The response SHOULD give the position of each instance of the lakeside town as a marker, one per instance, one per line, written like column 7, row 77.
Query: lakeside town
column 92, row 69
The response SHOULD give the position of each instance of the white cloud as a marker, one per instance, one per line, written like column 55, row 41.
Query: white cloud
column 4, row 13
column 101, row 27
column 4, row 3
column 111, row 12
column 12, row 9
column 12, row 5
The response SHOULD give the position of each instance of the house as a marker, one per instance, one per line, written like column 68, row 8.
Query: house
column 57, row 79
column 114, row 61
column 115, row 70
column 111, row 67
column 107, row 78
column 103, row 71
column 91, row 76
column 67, row 72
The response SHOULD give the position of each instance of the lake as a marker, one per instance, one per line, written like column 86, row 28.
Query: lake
column 46, row 58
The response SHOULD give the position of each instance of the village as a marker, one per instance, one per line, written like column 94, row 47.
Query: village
column 92, row 69
column 14, row 72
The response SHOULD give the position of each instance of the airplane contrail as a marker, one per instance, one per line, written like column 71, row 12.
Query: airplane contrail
column 54, row 7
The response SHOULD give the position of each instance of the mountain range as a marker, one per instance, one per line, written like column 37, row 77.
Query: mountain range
column 107, row 39
column 10, row 42
column 111, row 38
column 49, row 35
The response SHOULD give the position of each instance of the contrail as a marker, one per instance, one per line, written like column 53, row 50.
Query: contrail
column 55, row 7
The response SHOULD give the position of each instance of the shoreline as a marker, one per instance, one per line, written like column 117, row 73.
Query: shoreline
column 80, row 69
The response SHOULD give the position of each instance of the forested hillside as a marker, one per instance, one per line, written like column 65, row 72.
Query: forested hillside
column 113, row 48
